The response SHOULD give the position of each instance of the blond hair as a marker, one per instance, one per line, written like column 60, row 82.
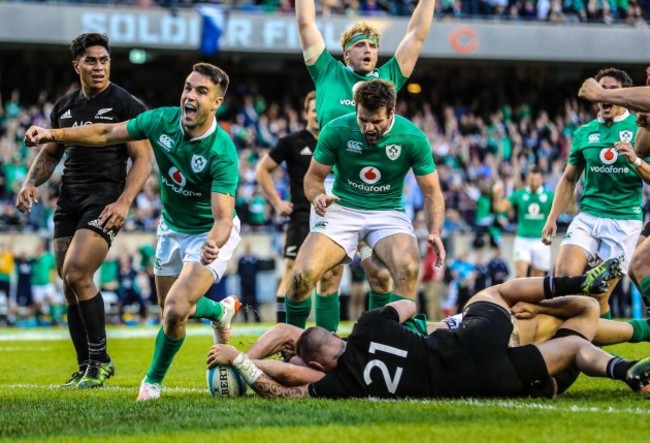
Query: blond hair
column 359, row 28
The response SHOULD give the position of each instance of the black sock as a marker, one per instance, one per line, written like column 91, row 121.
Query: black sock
column 92, row 313
column 280, row 310
column 560, row 286
column 617, row 368
column 78, row 335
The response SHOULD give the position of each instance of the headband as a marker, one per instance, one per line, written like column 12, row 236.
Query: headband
column 358, row 37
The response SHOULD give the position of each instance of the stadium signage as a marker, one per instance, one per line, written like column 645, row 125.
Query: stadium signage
column 143, row 29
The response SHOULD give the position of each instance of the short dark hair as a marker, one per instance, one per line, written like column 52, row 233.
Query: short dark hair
column 376, row 94
column 310, row 342
column 217, row 75
column 535, row 170
column 84, row 41
column 311, row 95
column 618, row 74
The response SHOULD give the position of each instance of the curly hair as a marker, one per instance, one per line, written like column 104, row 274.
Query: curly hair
column 359, row 28
column 617, row 74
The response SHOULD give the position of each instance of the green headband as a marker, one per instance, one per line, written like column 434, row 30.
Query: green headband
column 358, row 37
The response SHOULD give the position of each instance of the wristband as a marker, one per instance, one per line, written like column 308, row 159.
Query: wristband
column 249, row 372
column 638, row 162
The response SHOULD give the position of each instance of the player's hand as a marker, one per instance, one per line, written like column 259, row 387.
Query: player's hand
column 35, row 136
column 322, row 202
column 643, row 120
column 221, row 355
column 209, row 252
column 114, row 215
column 27, row 196
column 523, row 310
column 284, row 208
column 626, row 149
column 439, row 247
column 549, row 231
column 591, row 90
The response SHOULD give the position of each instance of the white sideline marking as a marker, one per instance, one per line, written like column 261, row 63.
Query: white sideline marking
column 504, row 404
column 42, row 334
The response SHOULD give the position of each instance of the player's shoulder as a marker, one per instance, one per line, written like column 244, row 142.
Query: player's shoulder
column 66, row 101
column 124, row 96
column 346, row 122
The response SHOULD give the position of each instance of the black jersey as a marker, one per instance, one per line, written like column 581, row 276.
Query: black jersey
column 296, row 149
column 95, row 170
column 382, row 359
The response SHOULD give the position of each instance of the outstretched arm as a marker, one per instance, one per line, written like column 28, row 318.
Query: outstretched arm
column 409, row 49
column 96, row 135
column 310, row 37
column 252, row 375
column 635, row 99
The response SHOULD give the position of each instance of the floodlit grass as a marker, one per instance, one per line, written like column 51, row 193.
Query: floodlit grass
column 33, row 409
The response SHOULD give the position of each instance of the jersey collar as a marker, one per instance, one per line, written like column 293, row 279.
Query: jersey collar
column 207, row 133
column 391, row 125
column 620, row 118
column 539, row 191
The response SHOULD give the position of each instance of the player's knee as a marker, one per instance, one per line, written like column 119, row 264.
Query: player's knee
column 379, row 280
column 176, row 312
column 76, row 276
column 639, row 267
column 302, row 280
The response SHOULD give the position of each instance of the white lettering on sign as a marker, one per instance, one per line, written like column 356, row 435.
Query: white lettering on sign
column 144, row 29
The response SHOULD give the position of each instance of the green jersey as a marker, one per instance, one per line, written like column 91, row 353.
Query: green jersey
column 532, row 210
column 43, row 268
column 335, row 84
column 189, row 169
column 612, row 187
column 371, row 176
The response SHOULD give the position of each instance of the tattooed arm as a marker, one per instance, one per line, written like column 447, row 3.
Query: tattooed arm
column 267, row 387
column 42, row 168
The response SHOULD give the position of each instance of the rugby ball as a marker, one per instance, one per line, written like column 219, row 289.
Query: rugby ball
column 225, row 381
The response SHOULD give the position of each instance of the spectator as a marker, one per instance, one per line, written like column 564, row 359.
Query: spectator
column 247, row 269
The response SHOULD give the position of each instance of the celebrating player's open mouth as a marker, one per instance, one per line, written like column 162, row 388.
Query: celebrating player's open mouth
column 189, row 111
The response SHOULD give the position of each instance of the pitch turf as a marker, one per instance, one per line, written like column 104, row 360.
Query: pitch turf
column 33, row 409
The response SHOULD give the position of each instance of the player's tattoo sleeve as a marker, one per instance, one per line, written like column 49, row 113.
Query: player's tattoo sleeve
column 267, row 387
column 42, row 168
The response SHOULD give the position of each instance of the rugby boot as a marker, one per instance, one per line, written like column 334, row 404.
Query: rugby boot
column 222, row 328
column 596, row 281
column 96, row 374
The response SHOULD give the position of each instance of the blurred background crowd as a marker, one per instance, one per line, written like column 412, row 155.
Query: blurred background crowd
column 487, row 129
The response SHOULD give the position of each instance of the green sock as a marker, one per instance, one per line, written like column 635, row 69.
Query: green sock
column 377, row 300
column 298, row 311
column 607, row 315
column 641, row 329
column 644, row 286
column 328, row 311
column 210, row 309
column 163, row 354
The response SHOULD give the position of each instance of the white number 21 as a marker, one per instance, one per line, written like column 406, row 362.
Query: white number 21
column 391, row 383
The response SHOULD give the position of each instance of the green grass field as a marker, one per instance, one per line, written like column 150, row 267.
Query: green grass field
column 33, row 408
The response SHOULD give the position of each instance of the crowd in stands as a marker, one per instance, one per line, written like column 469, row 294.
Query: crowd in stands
column 631, row 12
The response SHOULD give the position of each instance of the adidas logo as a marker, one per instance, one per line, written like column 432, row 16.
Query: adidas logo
column 97, row 223
column 66, row 114
column 306, row 151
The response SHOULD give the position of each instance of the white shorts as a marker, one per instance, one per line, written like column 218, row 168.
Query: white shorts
column 174, row 249
column 346, row 227
column 329, row 184
column 603, row 238
column 44, row 293
column 533, row 252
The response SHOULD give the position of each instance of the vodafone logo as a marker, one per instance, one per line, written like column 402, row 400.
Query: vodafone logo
column 533, row 209
column 608, row 156
column 370, row 175
column 177, row 177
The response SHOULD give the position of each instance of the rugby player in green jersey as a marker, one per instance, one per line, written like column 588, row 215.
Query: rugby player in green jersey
column 198, row 232
column 373, row 150
column 532, row 205
column 335, row 82
column 636, row 99
column 610, row 217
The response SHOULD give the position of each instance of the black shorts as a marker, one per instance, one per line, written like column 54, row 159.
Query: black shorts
column 297, row 231
column 499, row 370
column 81, row 211
column 646, row 230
